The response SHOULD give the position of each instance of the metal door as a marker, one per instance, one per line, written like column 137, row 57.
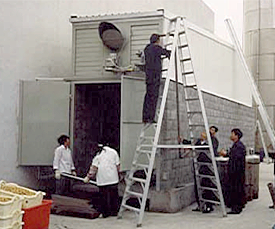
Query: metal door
column 44, row 115
column 132, row 95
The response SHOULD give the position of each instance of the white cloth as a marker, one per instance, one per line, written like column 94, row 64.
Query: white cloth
column 63, row 159
column 106, row 162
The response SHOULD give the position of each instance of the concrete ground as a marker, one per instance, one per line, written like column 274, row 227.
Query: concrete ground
column 256, row 215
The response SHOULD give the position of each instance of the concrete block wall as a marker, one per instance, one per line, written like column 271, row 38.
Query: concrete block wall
column 225, row 114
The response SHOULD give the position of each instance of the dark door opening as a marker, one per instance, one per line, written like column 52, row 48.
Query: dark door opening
column 96, row 118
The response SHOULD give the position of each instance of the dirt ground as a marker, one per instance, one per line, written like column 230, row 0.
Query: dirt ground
column 256, row 215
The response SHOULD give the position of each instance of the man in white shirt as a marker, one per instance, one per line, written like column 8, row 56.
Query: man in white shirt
column 106, row 166
column 63, row 163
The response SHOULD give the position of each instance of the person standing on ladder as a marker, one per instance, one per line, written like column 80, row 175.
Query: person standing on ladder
column 153, row 67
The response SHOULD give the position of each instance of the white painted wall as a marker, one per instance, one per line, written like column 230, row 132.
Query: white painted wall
column 36, row 41
column 217, row 66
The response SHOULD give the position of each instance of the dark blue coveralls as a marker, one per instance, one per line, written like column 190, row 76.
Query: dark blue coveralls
column 153, row 67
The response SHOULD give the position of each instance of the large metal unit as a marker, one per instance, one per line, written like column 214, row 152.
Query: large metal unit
column 53, row 106
column 148, row 143
column 259, row 51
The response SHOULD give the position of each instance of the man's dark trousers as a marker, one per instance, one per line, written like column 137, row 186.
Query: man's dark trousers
column 108, row 200
column 151, row 96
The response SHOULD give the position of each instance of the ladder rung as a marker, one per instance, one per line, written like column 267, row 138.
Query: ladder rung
column 145, row 151
column 183, row 46
column 135, row 193
column 196, row 125
column 181, row 32
column 185, row 59
column 206, row 176
column 148, row 137
column 138, row 179
column 142, row 166
column 190, row 86
column 164, row 70
column 168, row 44
column 204, row 163
column 171, row 33
column 207, row 188
column 146, row 146
column 192, row 99
column 194, row 112
column 131, row 208
column 211, row 201
column 188, row 73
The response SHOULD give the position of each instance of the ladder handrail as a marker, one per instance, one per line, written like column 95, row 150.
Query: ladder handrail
column 254, row 89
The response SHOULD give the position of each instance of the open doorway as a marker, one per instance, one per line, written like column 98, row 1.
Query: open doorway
column 96, row 118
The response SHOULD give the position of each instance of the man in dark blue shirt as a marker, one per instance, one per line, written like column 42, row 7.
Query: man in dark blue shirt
column 236, row 170
column 153, row 67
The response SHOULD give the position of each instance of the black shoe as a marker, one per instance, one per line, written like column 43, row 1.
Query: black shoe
column 233, row 213
column 153, row 121
column 207, row 210
column 196, row 209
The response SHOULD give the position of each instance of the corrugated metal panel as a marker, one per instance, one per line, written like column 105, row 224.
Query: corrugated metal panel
column 140, row 35
column 88, row 52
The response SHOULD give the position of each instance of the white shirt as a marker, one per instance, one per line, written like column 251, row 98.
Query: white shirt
column 63, row 159
column 106, row 162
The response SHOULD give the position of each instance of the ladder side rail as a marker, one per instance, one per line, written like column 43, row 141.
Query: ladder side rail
column 253, row 86
column 194, row 151
column 262, row 139
column 159, row 122
column 185, row 91
column 207, row 132
column 181, row 68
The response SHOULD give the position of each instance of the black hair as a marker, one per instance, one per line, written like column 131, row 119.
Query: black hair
column 154, row 38
column 237, row 132
column 216, row 128
column 62, row 139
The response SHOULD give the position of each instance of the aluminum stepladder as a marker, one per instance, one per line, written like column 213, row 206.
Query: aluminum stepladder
column 197, row 120
column 147, row 146
column 254, row 89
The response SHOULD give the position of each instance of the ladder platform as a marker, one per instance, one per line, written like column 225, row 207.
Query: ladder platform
column 130, row 208
column 182, row 147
